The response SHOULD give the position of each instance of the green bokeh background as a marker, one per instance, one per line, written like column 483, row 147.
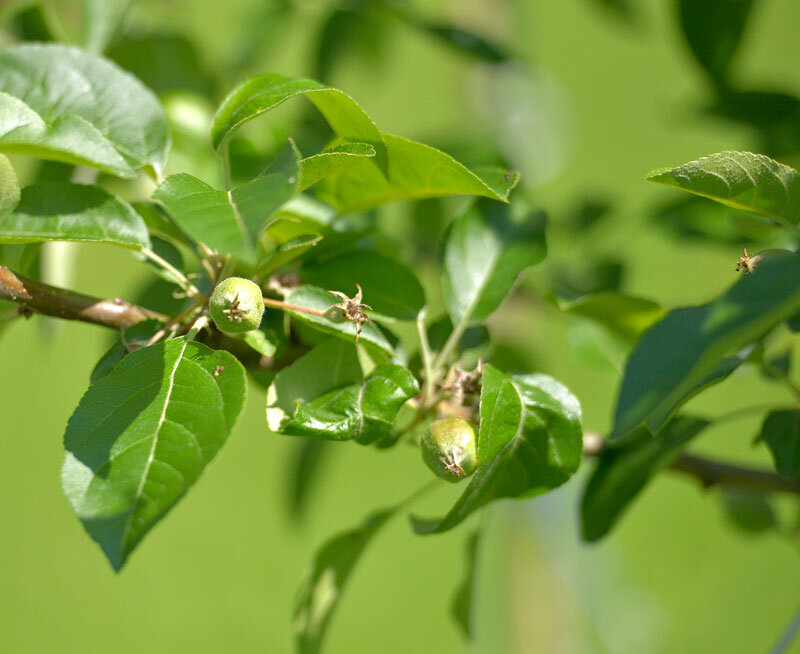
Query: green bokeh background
column 219, row 575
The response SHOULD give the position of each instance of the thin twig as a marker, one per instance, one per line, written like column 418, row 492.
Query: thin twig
column 712, row 473
column 427, row 364
column 183, row 315
column 292, row 307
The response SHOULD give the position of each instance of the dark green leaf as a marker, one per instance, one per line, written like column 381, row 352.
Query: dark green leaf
column 264, row 92
column 330, row 570
column 390, row 288
column 781, row 432
column 61, row 103
column 59, row 211
column 486, row 251
column 713, row 29
column 233, row 222
column 622, row 472
column 414, row 171
column 683, row 353
column 461, row 607
column 530, row 441
column 742, row 180
column 316, row 298
column 142, row 435
column 748, row 510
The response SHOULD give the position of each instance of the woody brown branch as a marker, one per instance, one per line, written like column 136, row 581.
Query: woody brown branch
column 713, row 473
column 38, row 297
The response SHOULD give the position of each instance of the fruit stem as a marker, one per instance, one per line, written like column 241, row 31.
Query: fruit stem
column 177, row 320
column 292, row 307
column 427, row 364
column 180, row 278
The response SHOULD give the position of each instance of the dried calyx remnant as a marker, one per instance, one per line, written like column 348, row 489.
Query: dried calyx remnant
column 352, row 309
column 748, row 264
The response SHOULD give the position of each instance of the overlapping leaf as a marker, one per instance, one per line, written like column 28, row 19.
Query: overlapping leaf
column 232, row 222
column 84, row 111
column 486, row 251
column 9, row 186
column 360, row 408
column 781, row 432
column 691, row 348
column 59, row 211
column 530, row 441
column 143, row 433
column 742, row 180
column 622, row 472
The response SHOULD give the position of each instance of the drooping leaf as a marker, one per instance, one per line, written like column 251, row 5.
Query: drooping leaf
column 713, row 29
column 307, row 459
column 781, row 432
column 9, row 186
column 264, row 92
column 530, row 441
column 340, row 156
column 142, row 435
column 390, row 287
column 59, row 211
column 100, row 20
column 232, row 222
column 319, row 595
column 687, row 350
column 463, row 41
column 622, row 472
column 461, row 607
column 414, row 171
column 312, row 297
column 363, row 411
column 742, row 180
column 486, row 250
column 61, row 103
column 625, row 315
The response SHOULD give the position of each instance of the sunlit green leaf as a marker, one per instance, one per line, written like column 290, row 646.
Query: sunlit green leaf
column 622, row 472
column 390, row 287
column 414, row 171
column 9, row 186
column 683, row 353
column 142, row 435
column 741, row 180
column 530, row 441
column 486, row 251
column 59, row 211
column 340, row 156
column 84, row 111
column 231, row 222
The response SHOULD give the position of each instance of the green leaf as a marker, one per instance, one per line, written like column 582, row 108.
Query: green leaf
column 323, row 164
column 742, row 180
column 64, row 104
column 319, row 595
column 390, row 288
column 713, row 29
column 362, row 411
column 687, row 350
column 288, row 252
column 100, row 20
column 312, row 297
column 232, row 222
column 59, row 211
column 142, row 435
column 9, row 186
column 135, row 336
column 308, row 457
column 486, row 250
column 781, row 432
column 625, row 315
column 622, row 472
column 530, row 441
column 414, row 171
column 748, row 510
column 264, row 92
column 461, row 607
column 464, row 41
